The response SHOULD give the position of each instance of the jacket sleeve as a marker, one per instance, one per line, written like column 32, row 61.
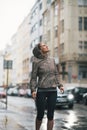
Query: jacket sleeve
column 57, row 76
column 33, row 80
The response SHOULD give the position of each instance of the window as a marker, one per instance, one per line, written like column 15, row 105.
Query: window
column 80, row 23
column 36, row 26
column 85, row 44
column 40, row 38
column 62, row 26
column 48, row 35
column 40, row 6
column 62, row 48
column 45, row 20
column 82, row 2
column 56, row 31
column 56, row 55
column 32, row 44
column 56, row 10
column 85, row 23
column 56, row 51
column 80, row 44
column 48, row 1
column 45, row 37
column 36, row 41
column 36, row 11
column 48, row 16
column 61, row 4
column 40, row 22
column 82, row 71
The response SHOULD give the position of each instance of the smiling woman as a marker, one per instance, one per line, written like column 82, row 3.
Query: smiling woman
column 12, row 12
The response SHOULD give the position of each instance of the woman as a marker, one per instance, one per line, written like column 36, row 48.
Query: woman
column 44, row 77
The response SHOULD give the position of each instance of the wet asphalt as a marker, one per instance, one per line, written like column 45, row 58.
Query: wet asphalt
column 21, row 114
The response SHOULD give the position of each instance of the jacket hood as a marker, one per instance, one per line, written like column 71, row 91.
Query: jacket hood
column 37, row 53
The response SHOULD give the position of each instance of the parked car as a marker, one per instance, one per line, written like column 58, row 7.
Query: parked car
column 12, row 91
column 2, row 93
column 15, row 92
column 78, row 93
column 22, row 92
column 28, row 93
column 85, row 98
column 65, row 99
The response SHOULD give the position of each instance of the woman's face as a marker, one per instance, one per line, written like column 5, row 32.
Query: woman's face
column 44, row 48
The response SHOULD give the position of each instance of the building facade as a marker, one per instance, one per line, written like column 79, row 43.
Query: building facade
column 62, row 25
column 36, row 31
column 65, row 30
column 1, row 69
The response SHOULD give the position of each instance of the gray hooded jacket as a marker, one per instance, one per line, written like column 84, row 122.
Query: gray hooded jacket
column 44, row 74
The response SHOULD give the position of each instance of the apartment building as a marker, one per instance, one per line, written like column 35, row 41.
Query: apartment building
column 28, row 34
column 20, row 54
column 65, row 31
column 14, row 56
column 36, row 31
column 1, row 68
column 23, row 41
column 62, row 24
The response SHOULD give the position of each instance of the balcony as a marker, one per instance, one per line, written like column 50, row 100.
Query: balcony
column 82, row 57
column 73, row 57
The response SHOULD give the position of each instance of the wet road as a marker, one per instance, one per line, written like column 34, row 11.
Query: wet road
column 75, row 119
column 21, row 116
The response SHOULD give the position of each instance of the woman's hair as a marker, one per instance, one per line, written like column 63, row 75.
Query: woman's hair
column 37, row 51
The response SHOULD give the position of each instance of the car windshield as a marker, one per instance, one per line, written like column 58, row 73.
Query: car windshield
column 81, row 90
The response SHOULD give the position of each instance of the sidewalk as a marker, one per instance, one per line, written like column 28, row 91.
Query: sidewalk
column 17, row 118
column 14, row 119
column 7, row 121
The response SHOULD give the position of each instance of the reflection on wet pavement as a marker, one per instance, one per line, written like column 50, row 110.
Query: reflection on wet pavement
column 81, row 124
column 3, row 122
column 7, row 123
column 23, row 118
column 64, row 124
column 71, row 121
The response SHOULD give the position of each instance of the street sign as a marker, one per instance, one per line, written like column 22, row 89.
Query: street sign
column 8, row 64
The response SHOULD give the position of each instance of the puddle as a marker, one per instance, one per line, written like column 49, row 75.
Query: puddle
column 71, row 122
column 79, row 124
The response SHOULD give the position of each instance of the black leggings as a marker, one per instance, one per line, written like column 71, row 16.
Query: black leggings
column 46, row 98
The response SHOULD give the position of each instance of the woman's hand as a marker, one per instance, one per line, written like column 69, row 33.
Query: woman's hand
column 34, row 95
column 62, row 89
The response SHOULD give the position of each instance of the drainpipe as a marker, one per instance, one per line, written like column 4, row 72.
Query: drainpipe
column 59, row 35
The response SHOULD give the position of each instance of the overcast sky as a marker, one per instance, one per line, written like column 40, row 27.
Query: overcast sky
column 12, row 13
